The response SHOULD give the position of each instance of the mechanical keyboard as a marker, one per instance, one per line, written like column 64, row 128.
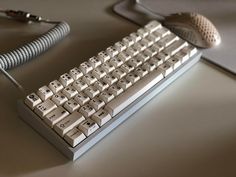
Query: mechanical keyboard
column 83, row 105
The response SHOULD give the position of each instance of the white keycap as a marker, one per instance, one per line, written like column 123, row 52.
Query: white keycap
column 166, row 69
column 150, row 52
column 68, row 123
column 44, row 108
column 152, row 64
column 106, row 96
column 134, row 92
column 148, row 66
column 132, row 51
column 55, row 116
column 85, row 67
column 115, row 90
column 152, row 26
column 87, row 110
column 162, row 32
column 142, row 32
column 112, row 51
column 140, row 72
column 120, row 46
column 88, row 126
column 127, row 67
column 142, row 57
column 175, row 47
column 156, row 61
column 153, row 38
column 145, row 42
column 101, row 117
column 69, row 91
column 124, row 56
column 101, row 85
column 98, row 72
column 182, row 56
column 32, row 100
column 174, row 62
column 139, row 47
column 190, row 50
column 97, row 103
column 71, row 105
column 66, row 79
column 143, row 45
column 74, row 137
column 103, row 56
column 82, row 98
column 89, row 79
column 132, row 77
column 163, row 56
column 135, row 37
column 168, row 39
column 94, row 62
column 76, row 73
column 109, row 79
column 80, row 85
column 116, row 62
column 55, row 86
column 128, row 41
column 91, row 91
column 107, row 67
column 157, row 47
column 118, row 73
column 124, row 83
column 44, row 92
column 157, row 34
column 59, row 98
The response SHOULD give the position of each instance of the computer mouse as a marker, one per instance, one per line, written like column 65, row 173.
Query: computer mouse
column 194, row 28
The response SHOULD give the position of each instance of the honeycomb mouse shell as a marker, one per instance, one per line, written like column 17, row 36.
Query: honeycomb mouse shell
column 194, row 28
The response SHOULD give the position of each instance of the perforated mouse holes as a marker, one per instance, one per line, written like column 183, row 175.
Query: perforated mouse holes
column 206, row 28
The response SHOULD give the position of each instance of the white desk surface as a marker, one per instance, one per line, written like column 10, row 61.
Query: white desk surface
column 187, row 130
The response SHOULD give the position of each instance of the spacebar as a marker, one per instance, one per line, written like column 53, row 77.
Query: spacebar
column 133, row 92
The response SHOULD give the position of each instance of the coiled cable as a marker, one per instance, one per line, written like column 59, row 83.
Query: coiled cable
column 32, row 49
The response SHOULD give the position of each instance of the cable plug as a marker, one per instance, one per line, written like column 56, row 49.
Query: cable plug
column 23, row 16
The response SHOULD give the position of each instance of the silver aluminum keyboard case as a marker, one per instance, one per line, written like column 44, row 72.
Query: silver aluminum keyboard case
column 73, row 153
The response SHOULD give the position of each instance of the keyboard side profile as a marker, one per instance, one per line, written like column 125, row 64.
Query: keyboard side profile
column 119, row 81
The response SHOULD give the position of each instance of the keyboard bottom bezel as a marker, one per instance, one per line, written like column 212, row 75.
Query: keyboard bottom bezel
column 73, row 153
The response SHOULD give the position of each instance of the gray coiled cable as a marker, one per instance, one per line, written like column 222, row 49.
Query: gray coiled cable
column 30, row 50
